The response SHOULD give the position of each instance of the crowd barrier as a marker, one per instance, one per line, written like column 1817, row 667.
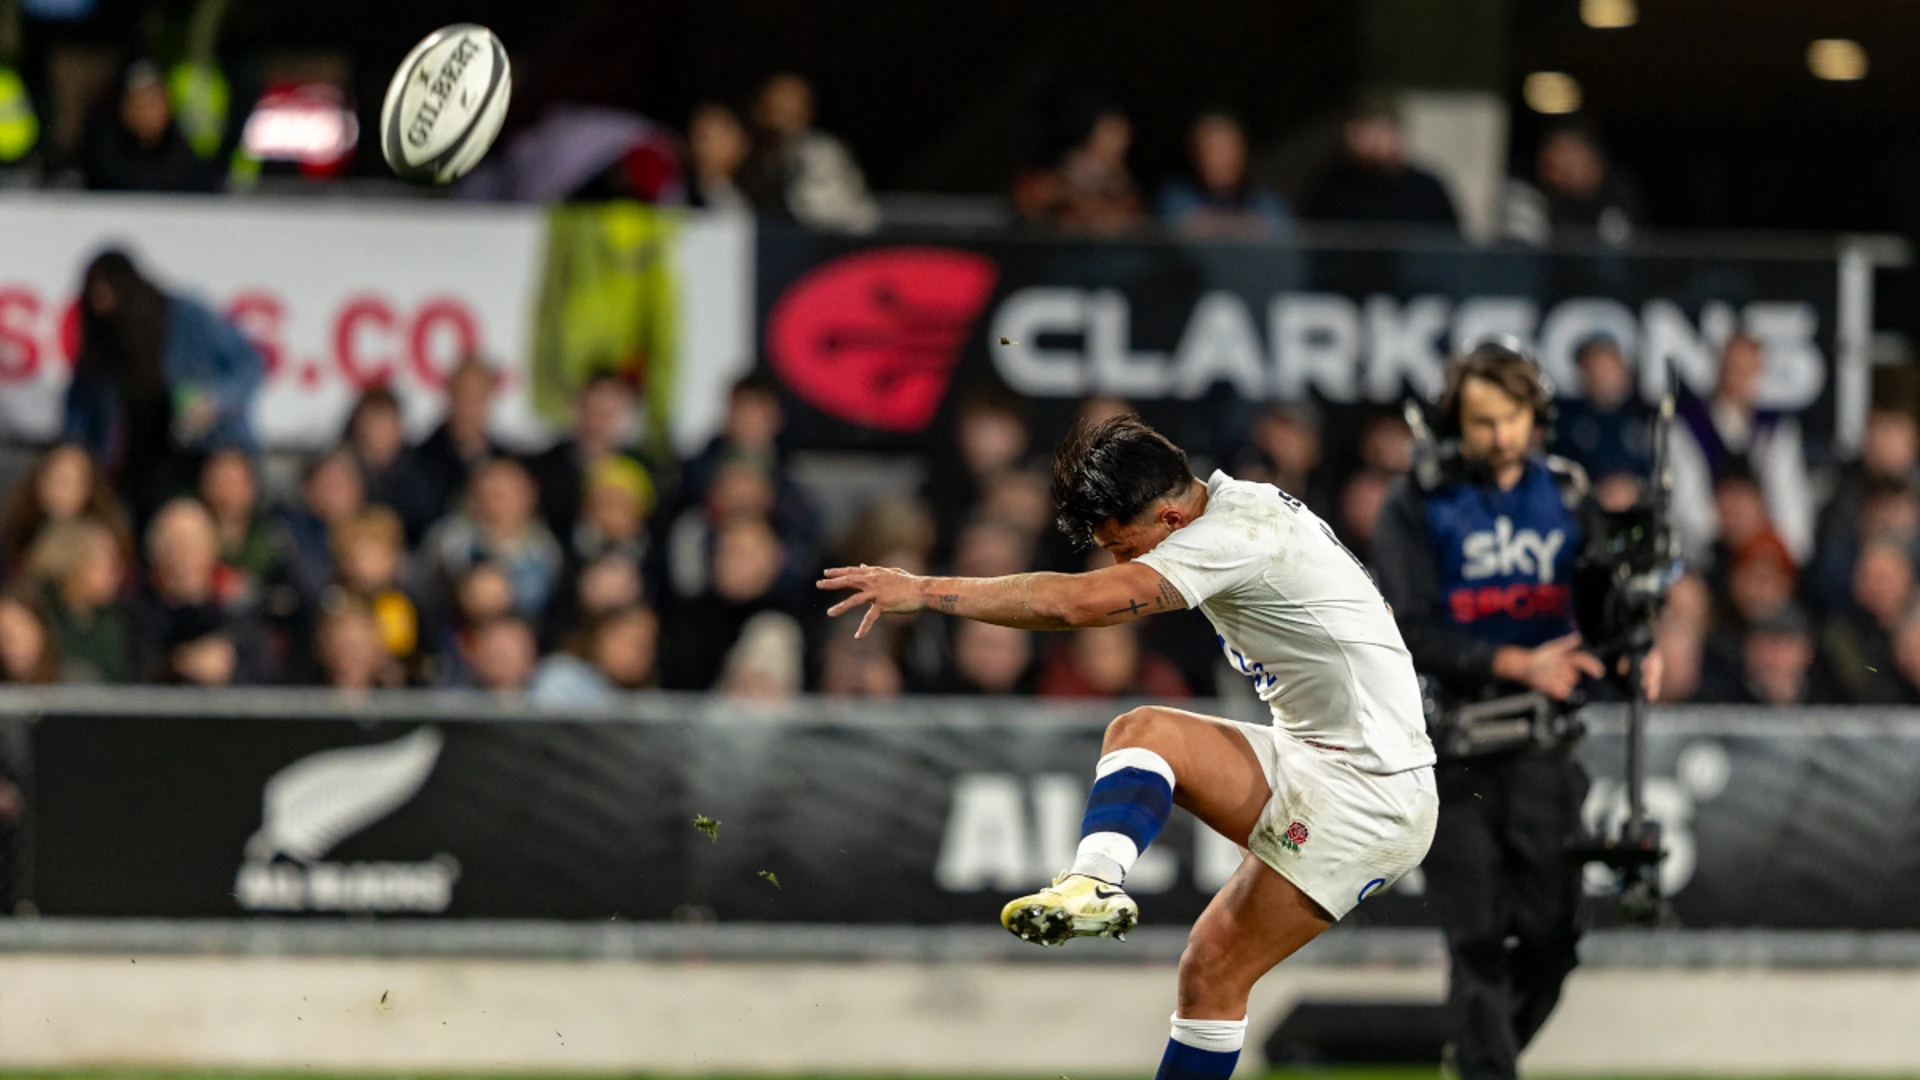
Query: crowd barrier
column 180, row 804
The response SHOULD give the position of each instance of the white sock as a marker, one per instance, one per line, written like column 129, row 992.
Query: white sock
column 1220, row 1036
column 1109, row 856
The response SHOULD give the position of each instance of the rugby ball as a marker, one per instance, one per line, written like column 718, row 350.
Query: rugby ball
column 445, row 104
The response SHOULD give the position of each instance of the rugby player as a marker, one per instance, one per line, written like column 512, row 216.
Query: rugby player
column 1334, row 799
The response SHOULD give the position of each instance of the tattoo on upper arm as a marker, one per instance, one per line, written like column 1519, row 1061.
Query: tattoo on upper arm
column 949, row 602
column 1169, row 596
column 1134, row 607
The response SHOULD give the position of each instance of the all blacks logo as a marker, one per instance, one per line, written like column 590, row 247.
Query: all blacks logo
column 445, row 104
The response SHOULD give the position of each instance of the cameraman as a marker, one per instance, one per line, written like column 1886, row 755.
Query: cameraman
column 1476, row 554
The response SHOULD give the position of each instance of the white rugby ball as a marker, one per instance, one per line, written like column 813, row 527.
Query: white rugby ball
column 445, row 104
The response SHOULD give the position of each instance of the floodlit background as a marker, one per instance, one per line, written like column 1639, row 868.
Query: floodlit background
column 428, row 679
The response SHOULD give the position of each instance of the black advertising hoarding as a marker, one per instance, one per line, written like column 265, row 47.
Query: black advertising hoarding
column 930, row 813
column 872, row 335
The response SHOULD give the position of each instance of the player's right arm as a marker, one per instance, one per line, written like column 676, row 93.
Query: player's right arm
column 1037, row 601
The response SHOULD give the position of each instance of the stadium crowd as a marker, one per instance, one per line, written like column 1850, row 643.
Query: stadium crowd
column 146, row 549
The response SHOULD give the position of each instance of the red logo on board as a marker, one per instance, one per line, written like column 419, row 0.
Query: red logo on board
column 873, row 338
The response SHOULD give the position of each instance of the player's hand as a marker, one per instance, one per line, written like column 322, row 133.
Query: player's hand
column 885, row 590
column 1556, row 668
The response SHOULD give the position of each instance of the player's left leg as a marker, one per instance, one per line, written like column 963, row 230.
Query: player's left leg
column 1257, row 920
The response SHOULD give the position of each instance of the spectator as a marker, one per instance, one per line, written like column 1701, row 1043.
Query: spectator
column 615, row 651
column 989, row 659
column 1906, row 653
column 187, row 627
column 1741, row 509
column 740, row 491
column 1220, row 199
column 1577, row 195
column 718, row 145
column 860, row 667
column 603, row 423
column 801, row 172
column 1681, row 635
column 351, row 655
column 158, row 381
column 1710, row 435
column 331, row 491
column 80, row 568
column 750, row 431
column 1776, row 666
column 1889, row 460
column 248, row 543
column 1285, row 451
column 1858, row 642
column 370, row 557
column 390, row 471
column 610, row 543
column 1360, row 504
column 461, row 442
column 501, row 656
column 990, row 436
column 131, row 142
column 1386, row 443
column 747, row 563
column 64, row 485
column 1089, row 189
column 1108, row 662
column 499, row 526
column 1372, row 182
column 1887, row 510
column 481, row 595
column 766, row 663
column 1606, row 429
column 1760, row 581
column 896, row 530
column 29, row 649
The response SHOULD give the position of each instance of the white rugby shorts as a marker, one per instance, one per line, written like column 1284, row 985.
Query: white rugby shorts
column 1339, row 834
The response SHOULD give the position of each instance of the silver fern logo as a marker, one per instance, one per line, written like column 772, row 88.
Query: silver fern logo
column 313, row 805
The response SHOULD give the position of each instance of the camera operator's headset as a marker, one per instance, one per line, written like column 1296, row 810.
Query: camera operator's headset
column 1442, row 461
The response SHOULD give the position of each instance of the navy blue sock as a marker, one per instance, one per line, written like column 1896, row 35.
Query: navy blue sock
column 1183, row 1061
column 1131, row 800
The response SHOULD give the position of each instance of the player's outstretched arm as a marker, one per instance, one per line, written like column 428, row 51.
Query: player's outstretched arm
column 1040, row 601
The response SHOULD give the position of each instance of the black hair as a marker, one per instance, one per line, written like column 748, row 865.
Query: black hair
column 1114, row 469
column 122, row 348
column 757, row 382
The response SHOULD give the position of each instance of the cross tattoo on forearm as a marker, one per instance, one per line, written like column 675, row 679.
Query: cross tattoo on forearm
column 1134, row 607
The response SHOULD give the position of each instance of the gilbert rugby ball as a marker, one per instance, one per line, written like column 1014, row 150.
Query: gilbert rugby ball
column 445, row 104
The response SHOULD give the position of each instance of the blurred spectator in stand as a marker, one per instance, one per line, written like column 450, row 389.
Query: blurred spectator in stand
column 391, row 473
column 1577, row 195
column 188, row 626
column 1759, row 584
column 1096, row 408
column 580, row 152
column 1089, row 189
column 610, row 540
column 1889, row 461
column 80, row 569
column 1710, row 434
column 1741, row 509
column 29, row 648
column 990, row 436
column 481, row 595
column 230, row 491
column 461, row 442
column 370, row 562
column 1285, row 451
column 350, row 653
column 603, row 425
column 1776, row 665
column 131, row 142
column 1906, row 653
column 63, row 485
column 331, row 491
column 718, row 145
column 1220, row 199
column 1887, row 510
column 860, row 667
column 749, row 431
column 1372, row 182
column 615, row 651
column 1360, row 503
column 158, row 382
column 1681, row 635
column 799, row 171
column 1099, row 663
column 768, row 661
column 989, row 659
column 1606, row 428
column 501, row 655
column 499, row 526
column 1858, row 643
column 1386, row 443
column 747, row 563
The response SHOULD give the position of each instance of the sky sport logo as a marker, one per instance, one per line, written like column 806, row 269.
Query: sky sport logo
column 314, row 804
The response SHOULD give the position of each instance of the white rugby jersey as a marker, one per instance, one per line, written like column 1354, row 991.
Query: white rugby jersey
column 1297, row 613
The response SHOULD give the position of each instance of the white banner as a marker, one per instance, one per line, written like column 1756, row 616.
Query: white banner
column 341, row 295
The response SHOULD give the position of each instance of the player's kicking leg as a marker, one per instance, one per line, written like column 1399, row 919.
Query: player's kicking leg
column 1154, row 758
